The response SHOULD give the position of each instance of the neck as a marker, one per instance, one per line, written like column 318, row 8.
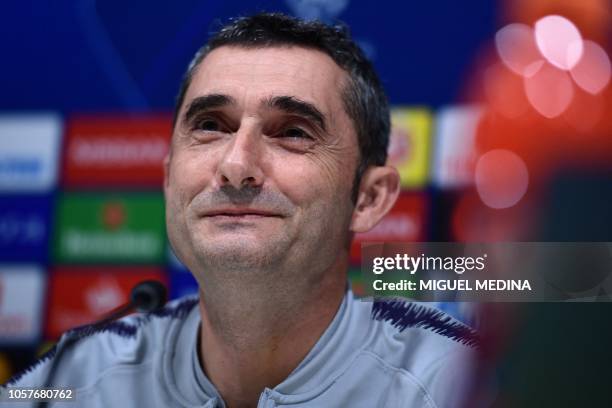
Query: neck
column 254, row 335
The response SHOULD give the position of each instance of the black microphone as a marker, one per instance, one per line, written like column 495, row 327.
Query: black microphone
column 147, row 296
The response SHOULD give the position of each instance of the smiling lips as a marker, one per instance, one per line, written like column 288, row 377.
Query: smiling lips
column 239, row 213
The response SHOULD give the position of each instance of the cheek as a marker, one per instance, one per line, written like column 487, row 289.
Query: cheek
column 299, row 180
column 187, row 177
column 312, row 181
column 190, row 173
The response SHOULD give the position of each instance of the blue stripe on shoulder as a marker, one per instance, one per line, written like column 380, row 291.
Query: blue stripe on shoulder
column 120, row 328
column 124, row 329
column 403, row 314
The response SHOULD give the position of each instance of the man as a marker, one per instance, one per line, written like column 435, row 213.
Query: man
column 277, row 160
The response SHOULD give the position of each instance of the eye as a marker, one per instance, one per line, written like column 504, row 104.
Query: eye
column 295, row 133
column 209, row 125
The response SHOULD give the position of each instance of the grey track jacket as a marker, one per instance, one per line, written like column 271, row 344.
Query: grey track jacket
column 384, row 353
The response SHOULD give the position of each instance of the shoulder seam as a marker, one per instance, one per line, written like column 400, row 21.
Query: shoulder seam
column 120, row 328
column 125, row 329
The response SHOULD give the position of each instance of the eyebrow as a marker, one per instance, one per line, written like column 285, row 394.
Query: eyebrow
column 288, row 104
column 207, row 102
column 293, row 105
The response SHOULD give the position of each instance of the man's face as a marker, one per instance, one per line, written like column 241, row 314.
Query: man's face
column 262, row 164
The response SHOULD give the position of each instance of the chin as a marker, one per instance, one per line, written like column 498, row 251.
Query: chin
column 244, row 253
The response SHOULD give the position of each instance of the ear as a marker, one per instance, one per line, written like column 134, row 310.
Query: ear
column 378, row 190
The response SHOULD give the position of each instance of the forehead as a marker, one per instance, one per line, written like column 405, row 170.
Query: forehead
column 252, row 74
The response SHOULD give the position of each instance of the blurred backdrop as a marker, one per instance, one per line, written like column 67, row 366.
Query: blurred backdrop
column 502, row 131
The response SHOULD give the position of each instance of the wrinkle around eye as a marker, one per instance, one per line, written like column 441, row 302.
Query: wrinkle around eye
column 213, row 121
column 199, row 136
column 207, row 129
column 290, row 134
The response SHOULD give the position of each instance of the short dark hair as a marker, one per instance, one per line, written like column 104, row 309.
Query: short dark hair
column 364, row 99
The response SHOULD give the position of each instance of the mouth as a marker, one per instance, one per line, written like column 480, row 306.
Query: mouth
column 240, row 214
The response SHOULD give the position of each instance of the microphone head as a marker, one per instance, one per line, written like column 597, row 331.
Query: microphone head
column 148, row 296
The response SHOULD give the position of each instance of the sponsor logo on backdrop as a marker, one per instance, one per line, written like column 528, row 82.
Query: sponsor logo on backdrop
column 116, row 151
column 80, row 295
column 404, row 223
column 399, row 145
column 29, row 149
column 409, row 145
column 145, row 149
column 21, row 294
column 24, row 228
column 105, row 296
column 113, row 215
column 455, row 151
column 111, row 229
column 21, row 230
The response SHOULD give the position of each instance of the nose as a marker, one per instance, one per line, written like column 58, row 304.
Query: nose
column 240, row 164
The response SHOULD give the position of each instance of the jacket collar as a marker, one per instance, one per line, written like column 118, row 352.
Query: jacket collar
column 330, row 356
